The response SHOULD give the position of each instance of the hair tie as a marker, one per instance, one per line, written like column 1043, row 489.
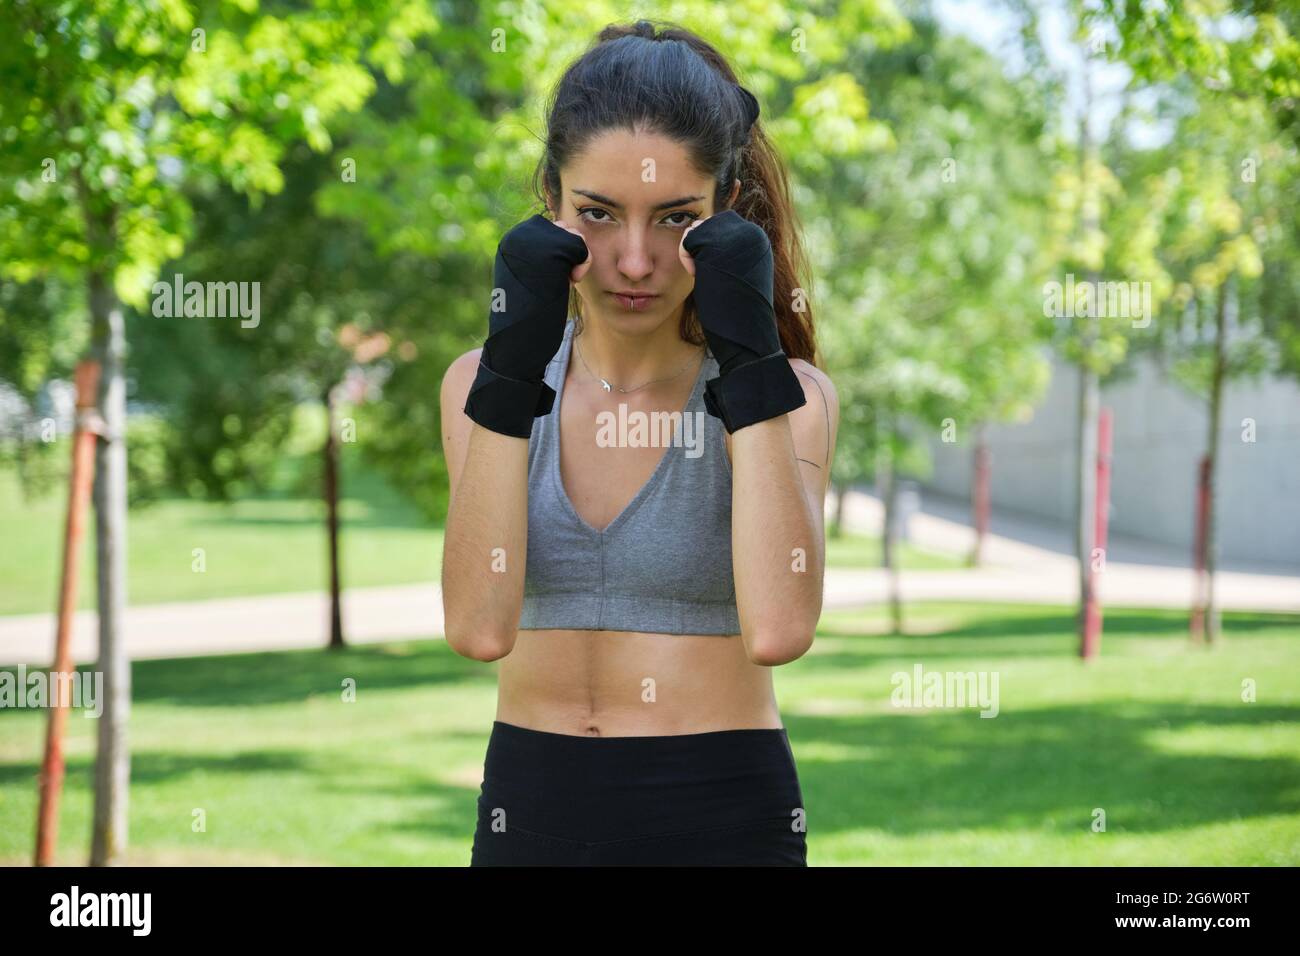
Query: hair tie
column 749, row 103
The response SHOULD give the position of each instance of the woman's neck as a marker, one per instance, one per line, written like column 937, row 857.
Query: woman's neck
column 629, row 361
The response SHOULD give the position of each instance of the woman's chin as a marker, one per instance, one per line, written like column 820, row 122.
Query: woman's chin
column 643, row 317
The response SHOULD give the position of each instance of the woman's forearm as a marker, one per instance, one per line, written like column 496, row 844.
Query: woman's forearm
column 485, row 546
column 775, row 554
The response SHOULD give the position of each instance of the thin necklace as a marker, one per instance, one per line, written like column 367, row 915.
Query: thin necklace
column 625, row 391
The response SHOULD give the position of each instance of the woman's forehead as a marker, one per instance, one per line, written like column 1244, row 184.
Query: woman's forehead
column 640, row 169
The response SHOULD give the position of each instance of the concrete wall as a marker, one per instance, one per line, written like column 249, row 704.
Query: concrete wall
column 1159, row 435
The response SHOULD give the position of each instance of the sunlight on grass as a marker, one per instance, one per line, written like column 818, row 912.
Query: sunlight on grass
column 265, row 749
column 854, row 550
column 267, row 544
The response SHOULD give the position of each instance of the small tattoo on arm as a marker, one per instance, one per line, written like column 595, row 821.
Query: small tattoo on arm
column 826, row 409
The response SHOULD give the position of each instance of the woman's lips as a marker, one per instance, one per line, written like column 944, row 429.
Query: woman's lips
column 634, row 303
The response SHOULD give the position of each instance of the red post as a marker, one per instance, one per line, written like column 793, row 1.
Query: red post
column 83, row 475
column 1093, row 609
column 1198, row 550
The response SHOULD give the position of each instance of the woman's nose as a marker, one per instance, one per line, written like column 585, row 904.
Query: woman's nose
column 634, row 254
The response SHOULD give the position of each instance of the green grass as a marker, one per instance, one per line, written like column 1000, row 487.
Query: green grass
column 1155, row 734
column 267, row 544
column 852, row 550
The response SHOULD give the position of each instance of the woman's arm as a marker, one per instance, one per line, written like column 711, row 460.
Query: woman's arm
column 780, row 471
column 490, row 400
column 484, row 549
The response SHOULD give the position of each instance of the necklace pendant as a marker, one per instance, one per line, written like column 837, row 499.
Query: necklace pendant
column 605, row 383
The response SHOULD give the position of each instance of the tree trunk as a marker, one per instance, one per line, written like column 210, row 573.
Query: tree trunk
column 1085, row 499
column 889, row 537
column 980, row 496
column 332, row 517
column 112, row 760
column 1212, row 622
column 1085, row 464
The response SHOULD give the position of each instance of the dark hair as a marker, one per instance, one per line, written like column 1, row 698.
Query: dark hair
column 676, row 84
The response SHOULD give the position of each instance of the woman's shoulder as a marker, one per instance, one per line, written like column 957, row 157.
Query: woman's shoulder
column 458, row 378
column 816, row 383
column 816, row 424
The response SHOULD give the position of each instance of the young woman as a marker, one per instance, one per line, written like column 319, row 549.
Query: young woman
column 638, row 589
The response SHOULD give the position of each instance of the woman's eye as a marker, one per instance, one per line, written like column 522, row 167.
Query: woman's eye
column 691, row 217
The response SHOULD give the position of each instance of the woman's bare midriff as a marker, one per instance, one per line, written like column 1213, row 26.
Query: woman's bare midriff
column 627, row 683
column 633, row 684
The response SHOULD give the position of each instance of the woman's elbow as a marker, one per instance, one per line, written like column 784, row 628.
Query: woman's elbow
column 475, row 638
column 782, row 647
column 478, row 644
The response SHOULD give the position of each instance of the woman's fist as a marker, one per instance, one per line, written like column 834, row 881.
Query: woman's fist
column 731, row 259
column 535, row 262
column 687, row 262
column 580, row 270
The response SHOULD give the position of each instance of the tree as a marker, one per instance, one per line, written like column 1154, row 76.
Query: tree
column 1227, row 177
column 110, row 108
column 1228, row 73
column 932, row 267
column 1102, row 241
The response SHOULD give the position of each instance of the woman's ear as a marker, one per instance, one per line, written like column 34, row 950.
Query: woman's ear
column 735, row 191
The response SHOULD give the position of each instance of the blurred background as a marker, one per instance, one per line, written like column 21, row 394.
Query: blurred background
column 1056, row 281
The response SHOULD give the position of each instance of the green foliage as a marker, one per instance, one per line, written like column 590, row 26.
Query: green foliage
column 361, row 162
column 1242, row 49
column 125, row 119
column 111, row 105
column 927, row 248
column 147, row 478
column 41, row 333
column 443, row 166
column 41, row 467
column 1224, row 196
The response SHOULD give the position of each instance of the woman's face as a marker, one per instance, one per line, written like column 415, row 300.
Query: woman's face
column 632, row 196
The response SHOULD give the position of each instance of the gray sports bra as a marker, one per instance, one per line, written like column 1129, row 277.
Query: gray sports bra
column 663, row 565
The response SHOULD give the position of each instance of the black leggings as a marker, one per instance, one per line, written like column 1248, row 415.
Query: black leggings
column 723, row 798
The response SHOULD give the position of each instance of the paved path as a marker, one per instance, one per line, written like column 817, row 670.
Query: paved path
column 1027, row 562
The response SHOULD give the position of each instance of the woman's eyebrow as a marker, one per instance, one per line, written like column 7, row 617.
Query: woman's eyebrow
column 663, row 205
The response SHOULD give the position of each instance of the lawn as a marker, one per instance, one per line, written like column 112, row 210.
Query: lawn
column 268, row 544
column 1155, row 735
column 852, row 550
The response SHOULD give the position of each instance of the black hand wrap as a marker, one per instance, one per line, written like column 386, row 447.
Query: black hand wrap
column 733, row 299
column 530, row 304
